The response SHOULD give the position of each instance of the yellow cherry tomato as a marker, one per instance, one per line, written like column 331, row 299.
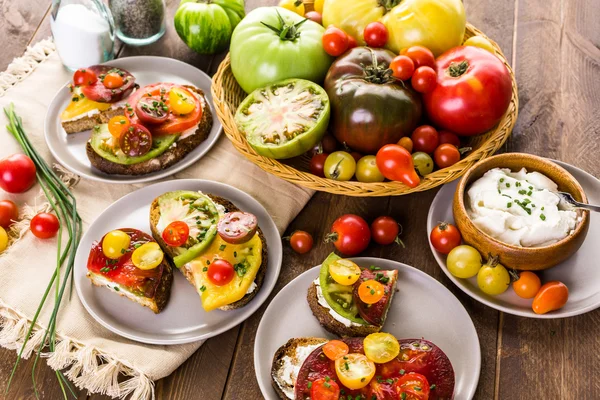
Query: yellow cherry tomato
column 115, row 243
column 117, row 125
column 344, row 272
column 371, row 291
column 480, row 41
column 381, row 347
column 296, row 6
column 354, row 371
column 318, row 5
column 367, row 171
column 3, row 239
column 147, row 256
column 180, row 101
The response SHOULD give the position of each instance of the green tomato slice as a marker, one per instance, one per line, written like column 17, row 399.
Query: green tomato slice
column 339, row 297
column 285, row 119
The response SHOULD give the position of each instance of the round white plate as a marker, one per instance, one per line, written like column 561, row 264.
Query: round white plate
column 183, row 320
column 69, row 150
column 580, row 272
column 422, row 308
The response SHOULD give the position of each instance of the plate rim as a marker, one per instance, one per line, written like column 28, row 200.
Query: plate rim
column 267, row 288
column 398, row 265
column 481, row 299
column 178, row 167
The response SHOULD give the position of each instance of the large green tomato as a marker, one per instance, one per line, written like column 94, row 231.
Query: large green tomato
column 438, row 25
column 272, row 44
column 206, row 25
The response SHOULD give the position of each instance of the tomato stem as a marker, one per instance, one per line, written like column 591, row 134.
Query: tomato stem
column 331, row 237
column 286, row 31
column 457, row 69
column 492, row 260
column 389, row 4
column 464, row 150
column 377, row 73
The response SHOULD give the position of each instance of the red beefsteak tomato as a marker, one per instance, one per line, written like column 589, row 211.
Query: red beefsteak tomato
column 473, row 91
column 369, row 107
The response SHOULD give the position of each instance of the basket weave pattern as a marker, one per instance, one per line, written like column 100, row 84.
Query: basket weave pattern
column 227, row 96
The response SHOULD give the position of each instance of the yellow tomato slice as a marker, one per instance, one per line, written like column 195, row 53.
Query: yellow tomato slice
column 115, row 243
column 117, row 125
column 147, row 256
column 381, row 347
column 3, row 239
column 354, row 371
column 344, row 272
column 371, row 291
column 180, row 101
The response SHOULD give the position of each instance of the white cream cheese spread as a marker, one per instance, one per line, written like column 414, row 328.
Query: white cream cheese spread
column 321, row 300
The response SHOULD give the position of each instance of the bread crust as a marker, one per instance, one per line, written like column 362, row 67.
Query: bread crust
column 170, row 157
column 229, row 207
column 87, row 123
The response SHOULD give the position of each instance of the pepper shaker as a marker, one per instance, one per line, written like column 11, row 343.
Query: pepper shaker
column 139, row 22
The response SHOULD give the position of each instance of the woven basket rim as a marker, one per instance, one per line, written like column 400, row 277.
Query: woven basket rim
column 494, row 141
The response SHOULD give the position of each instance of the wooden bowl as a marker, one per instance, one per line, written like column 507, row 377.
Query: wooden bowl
column 522, row 258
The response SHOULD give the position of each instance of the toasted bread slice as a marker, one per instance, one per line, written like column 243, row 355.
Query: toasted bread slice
column 287, row 362
column 229, row 207
column 177, row 152
column 89, row 122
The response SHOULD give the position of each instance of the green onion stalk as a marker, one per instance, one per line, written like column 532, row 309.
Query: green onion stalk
column 64, row 205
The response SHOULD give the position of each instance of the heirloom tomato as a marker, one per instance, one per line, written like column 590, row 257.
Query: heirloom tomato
column 272, row 44
column 473, row 91
column 206, row 26
column 438, row 25
column 396, row 164
column 296, row 6
column 369, row 107
column 551, row 296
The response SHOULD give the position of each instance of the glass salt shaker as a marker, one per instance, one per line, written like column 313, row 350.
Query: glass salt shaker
column 83, row 32
column 139, row 22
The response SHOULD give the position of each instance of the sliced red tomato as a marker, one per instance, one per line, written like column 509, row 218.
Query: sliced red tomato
column 98, row 92
column 325, row 389
column 174, row 123
column 151, row 110
column 176, row 233
column 412, row 386
column 136, row 140
column 237, row 227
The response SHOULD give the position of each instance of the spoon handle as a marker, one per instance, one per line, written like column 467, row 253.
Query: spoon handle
column 587, row 206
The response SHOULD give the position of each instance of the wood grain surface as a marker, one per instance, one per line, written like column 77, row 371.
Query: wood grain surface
column 554, row 47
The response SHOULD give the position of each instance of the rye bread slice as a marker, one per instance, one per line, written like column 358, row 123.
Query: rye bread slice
column 87, row 123
column 229, row 207
column 289, row 350
column 173, row 155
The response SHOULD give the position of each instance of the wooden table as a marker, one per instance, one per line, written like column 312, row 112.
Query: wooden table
column 554, row 47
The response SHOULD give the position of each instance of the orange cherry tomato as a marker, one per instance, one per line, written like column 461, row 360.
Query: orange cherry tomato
column 552, row 296
column 371, row 291
column 396, row 164
column 176, row 233
column 407, row 143
column 117, row 125
column 528, row 285
column 113, row 80
column 335, row 349
column 325, row 389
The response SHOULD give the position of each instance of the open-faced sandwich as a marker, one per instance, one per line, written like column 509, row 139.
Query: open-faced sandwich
column 349, row 300
column 221, row 250
column 98, row 93
column 162, row 123
column 377, row 367
column 130, row 263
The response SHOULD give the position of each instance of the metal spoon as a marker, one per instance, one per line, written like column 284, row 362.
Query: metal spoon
column 571, row 202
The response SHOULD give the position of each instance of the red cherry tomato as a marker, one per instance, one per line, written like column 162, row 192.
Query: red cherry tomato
column 113, row 81
column 84, row 77
column 422, row 56
column 376, row 34
column 17, row 173
column 136, row 140
column 44, row 225
column 350, row 234
column 424, row 80
column 9, row 212
column 446, row 155
column 352, row 43
column 220, row 272
column 425, row 138
column 324, row 389
column 449, row 137
column 403, row 67
column 317, row 164
column 314, row 16
column 151, row 110
column 176, row 234
column 329, row 143
column 237, row 227
column 444, row 237
column 412, row 386
column 335, row 41
column 385, row 230
column 396, row 164
column 301, row 242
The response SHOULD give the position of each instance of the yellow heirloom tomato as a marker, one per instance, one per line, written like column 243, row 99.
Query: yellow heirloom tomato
column 296, row 6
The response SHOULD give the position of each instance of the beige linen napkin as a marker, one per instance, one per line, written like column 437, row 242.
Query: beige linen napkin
column 93, row 356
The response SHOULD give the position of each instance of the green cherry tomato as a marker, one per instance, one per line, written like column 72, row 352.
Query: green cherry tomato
column 367, row 171
column 493, row 278
column 423, row 163
column 340, row 166
column 464, row 261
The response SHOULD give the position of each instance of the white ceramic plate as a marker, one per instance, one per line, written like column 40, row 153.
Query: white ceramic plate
column 580, row 272
column 422, row 308
column 183, row 320
column 69, row 150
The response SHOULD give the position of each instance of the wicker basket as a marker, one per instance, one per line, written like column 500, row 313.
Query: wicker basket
column 227, row 95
